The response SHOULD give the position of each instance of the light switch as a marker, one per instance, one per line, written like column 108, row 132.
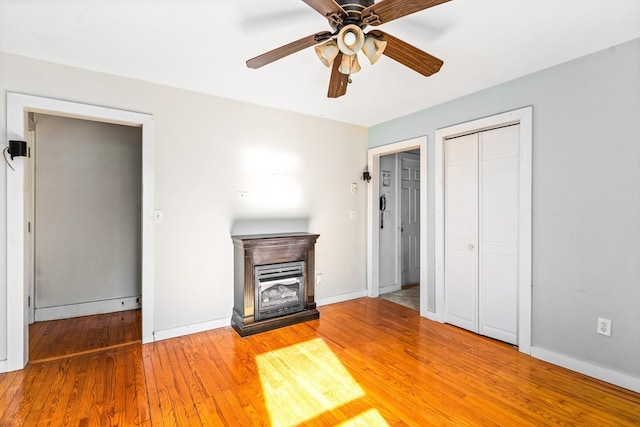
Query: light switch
column 158, row 216
column 353, row 214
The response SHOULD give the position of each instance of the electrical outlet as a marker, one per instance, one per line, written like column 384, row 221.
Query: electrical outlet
column 318, row 278
column 604, row 326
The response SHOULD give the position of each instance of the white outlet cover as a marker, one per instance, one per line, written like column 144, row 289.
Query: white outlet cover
column 604, row 326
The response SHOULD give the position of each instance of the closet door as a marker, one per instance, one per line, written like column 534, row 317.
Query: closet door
column 481, row 233
column 461, row 232
column 498, row 233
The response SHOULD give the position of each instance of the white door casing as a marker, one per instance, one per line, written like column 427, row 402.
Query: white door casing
column 17, row 285
column 523, row 117
column 373, row 209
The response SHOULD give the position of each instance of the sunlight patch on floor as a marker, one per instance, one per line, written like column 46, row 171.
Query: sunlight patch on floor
column 303, row 381
column 367, row 419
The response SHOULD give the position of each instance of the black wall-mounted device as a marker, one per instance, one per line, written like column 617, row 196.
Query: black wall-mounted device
column 17, row 148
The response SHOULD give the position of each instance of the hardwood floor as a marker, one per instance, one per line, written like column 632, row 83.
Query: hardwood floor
column 365, row 362
column 58, row 338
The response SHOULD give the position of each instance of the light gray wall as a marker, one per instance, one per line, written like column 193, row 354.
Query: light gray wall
column 586, row 198
column 87, row 205
column 206, row 149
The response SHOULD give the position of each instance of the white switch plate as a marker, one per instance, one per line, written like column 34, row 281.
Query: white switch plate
column 353, row 214
column 158, row 216
column 242, row 194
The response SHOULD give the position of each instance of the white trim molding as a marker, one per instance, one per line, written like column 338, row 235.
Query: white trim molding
column 18, row 105
column 524, row 117
column 340, row 298
column 86, row 308
column 604, row 374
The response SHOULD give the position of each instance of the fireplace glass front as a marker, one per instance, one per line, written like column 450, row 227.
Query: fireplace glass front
column 279, row 289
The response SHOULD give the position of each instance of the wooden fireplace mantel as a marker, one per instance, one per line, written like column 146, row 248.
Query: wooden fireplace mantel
column 264, row 249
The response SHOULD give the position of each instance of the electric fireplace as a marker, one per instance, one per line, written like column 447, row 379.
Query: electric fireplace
column 273, row 281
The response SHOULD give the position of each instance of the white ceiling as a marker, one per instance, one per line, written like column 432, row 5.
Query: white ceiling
column 203, row 45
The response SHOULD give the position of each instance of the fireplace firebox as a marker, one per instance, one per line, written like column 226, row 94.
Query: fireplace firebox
column 273, row 281
column 279, row 289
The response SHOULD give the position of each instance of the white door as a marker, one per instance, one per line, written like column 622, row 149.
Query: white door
column 481, row 233
column 498, row 219
column 410, row 218
column 461, row 232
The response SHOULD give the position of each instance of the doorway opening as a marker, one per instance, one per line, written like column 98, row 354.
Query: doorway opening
column 84, row 233
column 16, row 346
column 399, row 228
column 397, row 213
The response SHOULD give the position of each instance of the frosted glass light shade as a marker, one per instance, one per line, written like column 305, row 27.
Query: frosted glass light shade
column 350, row 39
column 349, row 64
column 327, row 52
column 373, row 48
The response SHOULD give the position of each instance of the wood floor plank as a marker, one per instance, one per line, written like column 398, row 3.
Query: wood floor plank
column 364, row 362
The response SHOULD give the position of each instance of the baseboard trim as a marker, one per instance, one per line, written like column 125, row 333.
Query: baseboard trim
column 598, row 372
column 340, row 298
column 430, row 315
column 226, row 322
column 86, row 308
column 165, row 334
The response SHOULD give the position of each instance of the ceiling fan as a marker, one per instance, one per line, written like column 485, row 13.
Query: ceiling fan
column 338, row 49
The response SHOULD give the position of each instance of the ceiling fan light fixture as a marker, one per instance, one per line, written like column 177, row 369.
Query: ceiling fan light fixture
column 350, row 39
column 349, row 64
column 373, row 48
column 327, row 52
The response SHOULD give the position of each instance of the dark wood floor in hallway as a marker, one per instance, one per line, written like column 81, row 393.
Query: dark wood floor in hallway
column 365, row 362
column 59, row 338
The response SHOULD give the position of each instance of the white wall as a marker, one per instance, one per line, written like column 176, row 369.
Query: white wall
column 586, row 201
column 87, row 211
column 207, row 149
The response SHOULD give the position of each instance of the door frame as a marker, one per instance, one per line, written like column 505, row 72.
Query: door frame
column 18, row 105
column 523, row 117
column 373, row 236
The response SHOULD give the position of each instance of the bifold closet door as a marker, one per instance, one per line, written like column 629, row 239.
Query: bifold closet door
column 461, row 232
column 481, row 233
column 498, row 233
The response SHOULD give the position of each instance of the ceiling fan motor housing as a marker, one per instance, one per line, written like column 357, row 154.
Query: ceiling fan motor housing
column 354, row 10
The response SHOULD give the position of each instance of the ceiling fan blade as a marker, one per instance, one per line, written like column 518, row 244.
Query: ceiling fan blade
column 287, row 49
column 408, row 55
column 338, row 82
column 329, row 9
column 388, row 10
